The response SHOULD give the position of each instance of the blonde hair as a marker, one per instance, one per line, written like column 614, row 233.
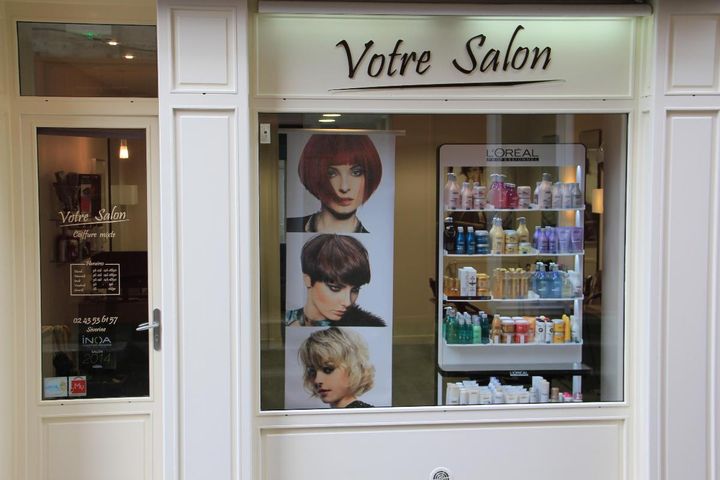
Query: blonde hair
column 342, row 348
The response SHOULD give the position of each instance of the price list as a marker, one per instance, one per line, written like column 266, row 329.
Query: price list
column 96, row 278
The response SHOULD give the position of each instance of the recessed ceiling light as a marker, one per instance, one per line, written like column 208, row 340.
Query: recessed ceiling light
column 327, row 120
column 129, row 56
column 331, row 115
column 112, row 43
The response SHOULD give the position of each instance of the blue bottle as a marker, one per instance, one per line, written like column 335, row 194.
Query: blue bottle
column 470, row 241
column 460, row 241
column 544, row 241
column 555, row 282
column 541, row 281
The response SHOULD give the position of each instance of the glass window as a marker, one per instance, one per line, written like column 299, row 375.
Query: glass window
column 80, row 60
column 416, row 260
column 93, row 262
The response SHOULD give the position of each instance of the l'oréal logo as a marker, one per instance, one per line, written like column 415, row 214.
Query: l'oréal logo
column 502, row 154
column 370, row 63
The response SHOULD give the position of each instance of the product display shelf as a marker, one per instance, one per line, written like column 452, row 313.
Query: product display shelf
column 512, row 255
column 460, row 210
column 513, row 369
column 564, row 162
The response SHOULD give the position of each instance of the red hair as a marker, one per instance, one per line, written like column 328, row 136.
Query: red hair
column 324, row 150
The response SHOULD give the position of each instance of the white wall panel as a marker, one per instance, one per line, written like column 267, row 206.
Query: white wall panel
column 204, row 50
column 687, row 321
column 695, row 54
column 88, row 448
column 205, row 150
column 561, row 451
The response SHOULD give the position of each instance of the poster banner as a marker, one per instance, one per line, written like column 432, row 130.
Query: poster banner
column 339, row 268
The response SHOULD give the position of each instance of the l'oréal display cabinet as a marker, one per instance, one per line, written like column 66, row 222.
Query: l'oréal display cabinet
column 511, row 249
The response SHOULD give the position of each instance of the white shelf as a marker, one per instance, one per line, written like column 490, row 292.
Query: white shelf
column 512, row 300
column 510, row 345
column 516, row 210
column 501, row 255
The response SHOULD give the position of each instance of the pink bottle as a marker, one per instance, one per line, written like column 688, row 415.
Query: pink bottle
column 495, row 193
column 512, row 196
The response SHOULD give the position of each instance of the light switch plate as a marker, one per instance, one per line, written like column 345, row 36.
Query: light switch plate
column 265, row 133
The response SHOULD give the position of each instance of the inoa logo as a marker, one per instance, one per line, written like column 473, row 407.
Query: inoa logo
column 477, row 58
column 501, row 154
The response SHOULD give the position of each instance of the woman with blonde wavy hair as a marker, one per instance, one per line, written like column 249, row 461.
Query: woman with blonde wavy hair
column 337, row 368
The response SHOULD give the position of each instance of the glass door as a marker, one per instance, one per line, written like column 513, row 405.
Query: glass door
column 93, row 226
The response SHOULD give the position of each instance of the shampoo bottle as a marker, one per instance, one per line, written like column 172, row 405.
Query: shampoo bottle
column 466, row 197
column 557, row 196
column 522, row 231
column 555, row 282
column 497, row 237
column 545, row 197
column 452, row 193
column 470, row 241
column 460, row 241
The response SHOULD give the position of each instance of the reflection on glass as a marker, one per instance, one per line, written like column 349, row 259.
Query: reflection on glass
column 80, row 60
column 93, row 252
column 589, row 231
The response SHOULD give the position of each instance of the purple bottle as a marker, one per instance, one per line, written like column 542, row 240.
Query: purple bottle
column 544, row 241
column 537, row 238
column 551, row 240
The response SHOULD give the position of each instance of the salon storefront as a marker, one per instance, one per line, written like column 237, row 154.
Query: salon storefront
column 382, row 241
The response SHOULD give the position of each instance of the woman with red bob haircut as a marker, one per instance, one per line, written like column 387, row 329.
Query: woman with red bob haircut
column 342, row 171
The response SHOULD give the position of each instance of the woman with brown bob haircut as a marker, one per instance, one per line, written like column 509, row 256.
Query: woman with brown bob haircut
column 336, row 367
column 334, row 268
column 342, row 171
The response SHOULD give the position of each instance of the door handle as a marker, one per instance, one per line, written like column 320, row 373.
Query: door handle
column 155, row 326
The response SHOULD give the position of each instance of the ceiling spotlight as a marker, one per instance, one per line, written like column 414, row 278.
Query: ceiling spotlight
column 327, row 120
column 112, row 43
column 129, row 56
column 331, row 115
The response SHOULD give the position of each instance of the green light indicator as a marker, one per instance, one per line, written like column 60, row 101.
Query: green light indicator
column 90, row 35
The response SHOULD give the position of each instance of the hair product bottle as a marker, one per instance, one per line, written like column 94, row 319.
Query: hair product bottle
column 478, row 196
column 537, row 238
column 460, row 241
column 557, row 195
column 555, row 282
column 493, row 196
column 522, row 231
column 452, row 193
column 577, row 196
column 545, row 194
column 497, row 237
column 449, row 235
column 470, row 241
column 466, row 196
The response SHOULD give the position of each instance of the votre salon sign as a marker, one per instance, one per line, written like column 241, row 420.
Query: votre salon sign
column 446, row 57
column 476, row 59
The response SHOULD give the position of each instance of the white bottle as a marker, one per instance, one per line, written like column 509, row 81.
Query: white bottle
column 567, row 196
column 452, row 193
column 478, row 196
column 557, row 196
column 466, row 199
column 545, row 194
column 576, row 195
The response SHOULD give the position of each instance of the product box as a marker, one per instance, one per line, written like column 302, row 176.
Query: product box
column 467, row 277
